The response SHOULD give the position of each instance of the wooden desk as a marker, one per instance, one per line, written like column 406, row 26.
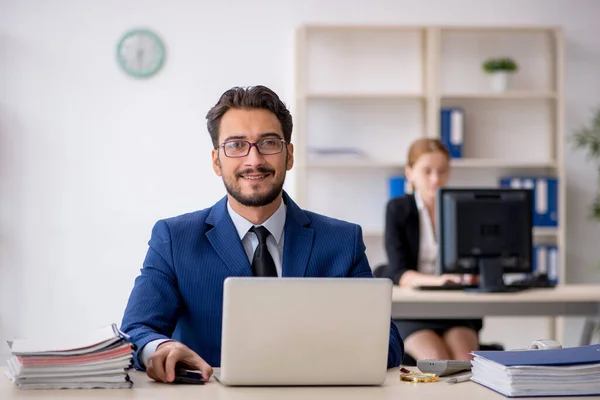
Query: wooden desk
column 144, row 388
column 565, row 300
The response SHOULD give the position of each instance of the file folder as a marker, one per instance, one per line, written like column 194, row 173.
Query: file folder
column 540, row 259
column 545, row 261
column 399, row 186
column 552, row 263
column 564, row 356
column 452, row 123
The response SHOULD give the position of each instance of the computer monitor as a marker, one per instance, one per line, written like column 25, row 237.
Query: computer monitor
column 486, row 232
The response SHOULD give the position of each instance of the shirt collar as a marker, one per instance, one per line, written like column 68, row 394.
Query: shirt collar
column 419, row 201
column 274, row 224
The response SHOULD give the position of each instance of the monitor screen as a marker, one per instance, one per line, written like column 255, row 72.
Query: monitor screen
column 485, row 228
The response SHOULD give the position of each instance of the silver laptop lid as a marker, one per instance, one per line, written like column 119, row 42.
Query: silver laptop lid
column 305, row 331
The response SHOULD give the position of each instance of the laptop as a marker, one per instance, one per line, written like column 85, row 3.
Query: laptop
column 305, row 331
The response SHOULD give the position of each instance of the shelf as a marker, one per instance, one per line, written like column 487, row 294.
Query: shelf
column 545, row 231
column 364, row 96
column 455, row 163
column 500, row 96
column 351, row 163
column 377, row 89
column 537, row 231
column 499, row 163
column 421, row 97
column 502, row 29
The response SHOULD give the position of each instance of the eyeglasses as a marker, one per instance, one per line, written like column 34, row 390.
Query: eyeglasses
column 241, row 148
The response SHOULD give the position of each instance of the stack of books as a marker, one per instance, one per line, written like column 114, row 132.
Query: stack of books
column 99, row 359
column 571, row 371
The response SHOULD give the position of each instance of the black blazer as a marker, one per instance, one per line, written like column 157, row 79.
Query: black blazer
column 402, row 231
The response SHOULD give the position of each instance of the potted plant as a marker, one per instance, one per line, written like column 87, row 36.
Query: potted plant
column 587, row 138
column 500, row 70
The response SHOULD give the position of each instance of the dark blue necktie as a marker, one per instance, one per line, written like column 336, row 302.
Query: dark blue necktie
column 262, row 263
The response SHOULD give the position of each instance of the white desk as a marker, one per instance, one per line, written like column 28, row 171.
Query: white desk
column 566, row 300
column 144, row 388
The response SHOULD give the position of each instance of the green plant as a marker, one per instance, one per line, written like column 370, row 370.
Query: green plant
column 588, row 139
column 500, row 64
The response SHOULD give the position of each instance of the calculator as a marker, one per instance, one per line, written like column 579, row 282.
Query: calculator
column 443, row 367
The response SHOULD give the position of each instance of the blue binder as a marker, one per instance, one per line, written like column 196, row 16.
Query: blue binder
column 568, row 371
column 452, row 124
column 552, row 263
column 540, row 259
column 551, row 218
column 565, row 356
column 398, row 186
column 545, row 261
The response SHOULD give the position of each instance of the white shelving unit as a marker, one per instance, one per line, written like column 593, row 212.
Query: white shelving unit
column 378, row 88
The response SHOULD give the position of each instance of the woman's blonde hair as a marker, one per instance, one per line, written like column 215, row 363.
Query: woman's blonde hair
column 425, row 146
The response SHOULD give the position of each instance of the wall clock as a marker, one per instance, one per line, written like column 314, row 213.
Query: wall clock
column 140, row 53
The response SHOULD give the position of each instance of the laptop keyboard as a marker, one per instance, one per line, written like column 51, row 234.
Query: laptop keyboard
column 455, row 287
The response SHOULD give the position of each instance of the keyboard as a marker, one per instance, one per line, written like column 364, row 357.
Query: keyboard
column 446, row 287
column 454, row 287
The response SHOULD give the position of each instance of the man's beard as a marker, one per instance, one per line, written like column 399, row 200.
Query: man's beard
column 254, row 200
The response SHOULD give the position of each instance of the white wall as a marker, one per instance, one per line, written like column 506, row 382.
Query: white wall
column 90, row 159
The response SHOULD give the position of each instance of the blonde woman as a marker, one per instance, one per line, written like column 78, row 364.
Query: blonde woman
column 412, row 250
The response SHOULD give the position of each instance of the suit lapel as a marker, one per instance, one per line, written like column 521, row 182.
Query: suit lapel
column 298, row 239
column 225, row 240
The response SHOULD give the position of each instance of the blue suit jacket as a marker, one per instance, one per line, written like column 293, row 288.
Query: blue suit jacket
column 179, row 293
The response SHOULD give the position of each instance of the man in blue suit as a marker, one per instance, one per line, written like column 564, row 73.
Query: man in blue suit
column 174, row 312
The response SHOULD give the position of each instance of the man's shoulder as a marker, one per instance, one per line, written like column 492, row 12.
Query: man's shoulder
column 193, row 220
column 324, row 222
column 191, row 217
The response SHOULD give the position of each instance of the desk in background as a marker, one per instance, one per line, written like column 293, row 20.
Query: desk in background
column 144, row 388
column 564, row 300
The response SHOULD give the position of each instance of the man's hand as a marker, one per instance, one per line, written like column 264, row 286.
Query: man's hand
column 161, row 365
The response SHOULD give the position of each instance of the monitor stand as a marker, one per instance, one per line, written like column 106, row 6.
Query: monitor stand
column 491, row 277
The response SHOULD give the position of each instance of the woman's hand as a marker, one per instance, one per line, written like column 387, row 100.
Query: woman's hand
column 450, row 279
column 458, row 279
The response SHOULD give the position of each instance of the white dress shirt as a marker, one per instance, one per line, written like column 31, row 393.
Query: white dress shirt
column 428, row 246
column 274, row 225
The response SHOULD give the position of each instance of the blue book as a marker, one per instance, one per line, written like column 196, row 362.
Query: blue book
column 452, row 124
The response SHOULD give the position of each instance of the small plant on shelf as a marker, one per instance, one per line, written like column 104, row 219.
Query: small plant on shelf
column 499, row 70
column 500, row 64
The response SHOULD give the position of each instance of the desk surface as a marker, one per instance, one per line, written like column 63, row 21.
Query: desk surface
column 559, row 301
column 144, row 388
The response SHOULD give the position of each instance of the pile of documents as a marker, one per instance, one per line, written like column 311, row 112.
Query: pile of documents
column 571, row 371
column 99, row 359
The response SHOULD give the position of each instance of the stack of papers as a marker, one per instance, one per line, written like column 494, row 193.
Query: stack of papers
column 99, row 359
column 572, row 371
column 317, row 153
